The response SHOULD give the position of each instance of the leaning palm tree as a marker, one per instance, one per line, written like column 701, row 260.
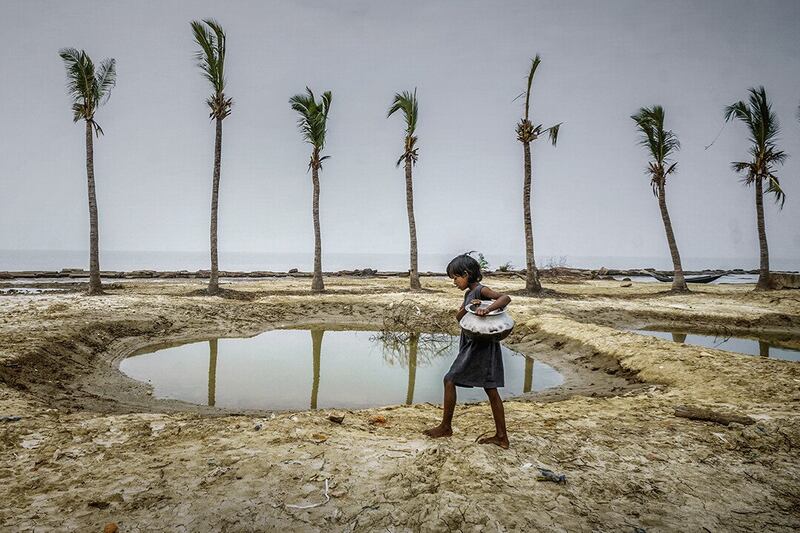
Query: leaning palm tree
column 526, row 134
column 661, row 145
column 313, row 123
column 89, row 90
column 407, row 102
column 210, row 58
column 764, row 129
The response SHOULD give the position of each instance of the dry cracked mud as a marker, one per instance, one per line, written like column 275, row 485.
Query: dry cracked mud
column 94, row 447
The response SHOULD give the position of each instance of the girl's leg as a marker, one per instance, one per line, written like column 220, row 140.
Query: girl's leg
column 445, row 429
column 498, row 413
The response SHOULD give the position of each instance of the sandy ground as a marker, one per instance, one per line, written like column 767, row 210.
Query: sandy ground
column 93, row 447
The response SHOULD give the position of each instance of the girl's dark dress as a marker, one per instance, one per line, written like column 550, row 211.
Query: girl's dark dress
column 479, row 362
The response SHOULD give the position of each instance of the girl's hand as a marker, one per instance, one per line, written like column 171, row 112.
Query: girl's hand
column 481, row 311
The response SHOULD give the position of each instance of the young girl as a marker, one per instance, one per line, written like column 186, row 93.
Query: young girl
column 479, row 362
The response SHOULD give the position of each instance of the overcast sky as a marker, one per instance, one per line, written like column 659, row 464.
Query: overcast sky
column 601, row 61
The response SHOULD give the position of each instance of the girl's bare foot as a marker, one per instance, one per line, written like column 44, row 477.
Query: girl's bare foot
column 498, row 441
column 439, row 431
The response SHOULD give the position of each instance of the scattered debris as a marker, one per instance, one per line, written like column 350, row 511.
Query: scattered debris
column 10, row 418
column 312, row 505
column 549, row 475
column 699, row 413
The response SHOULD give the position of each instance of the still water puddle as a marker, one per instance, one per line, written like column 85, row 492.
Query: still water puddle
column 302, row 369
column 772, row 347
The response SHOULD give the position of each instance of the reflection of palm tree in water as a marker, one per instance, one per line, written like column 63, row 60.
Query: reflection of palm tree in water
column 679, row 337
column 763, row 349
column 526, row 387
column 212, row 372
column 316, row 343
column 413, row 346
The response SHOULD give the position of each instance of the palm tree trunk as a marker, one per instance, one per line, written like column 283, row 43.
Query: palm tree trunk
column 413, row 347
column 678, row 281
column 212, row 372
column 763, row 275
column 316, row 347
column 94, row 238
column 532, row 284
column 412, row 228
column 317, row 284
column 528, row 383
column 213, row 282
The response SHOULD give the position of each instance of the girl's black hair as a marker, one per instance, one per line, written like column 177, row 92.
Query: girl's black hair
column 465, row 264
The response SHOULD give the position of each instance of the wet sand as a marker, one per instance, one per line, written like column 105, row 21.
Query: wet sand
column 94, row 447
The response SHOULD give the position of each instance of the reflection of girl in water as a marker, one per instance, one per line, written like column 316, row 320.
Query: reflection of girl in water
column 479, row 362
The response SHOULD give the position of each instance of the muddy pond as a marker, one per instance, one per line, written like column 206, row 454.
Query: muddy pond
column 292, row 369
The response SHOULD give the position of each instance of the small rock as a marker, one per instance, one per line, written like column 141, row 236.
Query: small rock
column 549, row 475
column 99, row 504
column 10, row 418
column 111, row 527
column 319, row 437
column 293, row 271
column 627, row 284
column 377, row 420
column 336, row 419
column 257, row 427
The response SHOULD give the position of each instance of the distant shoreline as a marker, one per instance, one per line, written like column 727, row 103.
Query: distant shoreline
column 602, row 273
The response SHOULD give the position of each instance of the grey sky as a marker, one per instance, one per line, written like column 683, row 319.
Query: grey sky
column 601, row 61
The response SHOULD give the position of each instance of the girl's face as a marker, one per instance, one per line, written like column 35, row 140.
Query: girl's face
column 461, row 281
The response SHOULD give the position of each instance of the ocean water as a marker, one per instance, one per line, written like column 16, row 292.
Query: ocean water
column 15, row 260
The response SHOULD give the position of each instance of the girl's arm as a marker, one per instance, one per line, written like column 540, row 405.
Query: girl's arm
column 460, row 314
column 500, row 301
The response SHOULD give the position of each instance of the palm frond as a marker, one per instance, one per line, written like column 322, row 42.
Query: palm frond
column 534, row 65
column 106, row 79
column 553, row 132
column 774, row 187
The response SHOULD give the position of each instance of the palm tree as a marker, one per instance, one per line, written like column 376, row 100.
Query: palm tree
column 413, row 348
column 661, row 145
column 526, row 134
column 212, row 372
column 313, row 123
column 210, row 38
column 316, row 354
column 764, row 129
column 407, row 102
column 89, row 90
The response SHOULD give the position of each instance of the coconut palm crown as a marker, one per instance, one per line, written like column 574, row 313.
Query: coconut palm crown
column 762, row 124
column 209, row 35
column 661, row 144
column 313, row 122
column 526, row 131
column 407, row 103
column 89, row 89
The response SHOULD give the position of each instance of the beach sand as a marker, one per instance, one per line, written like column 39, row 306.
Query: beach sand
column 93, row 447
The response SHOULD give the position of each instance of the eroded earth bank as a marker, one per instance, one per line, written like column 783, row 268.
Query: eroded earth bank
column 93, row 447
